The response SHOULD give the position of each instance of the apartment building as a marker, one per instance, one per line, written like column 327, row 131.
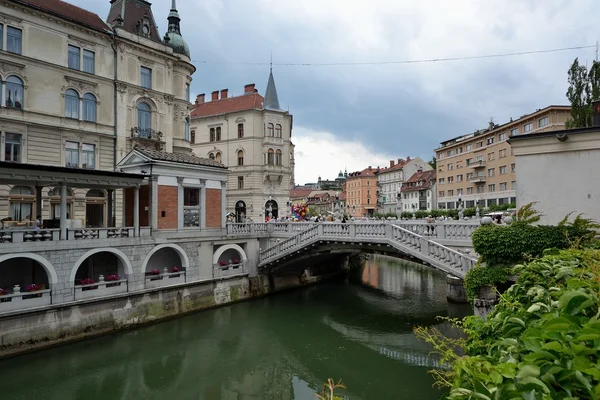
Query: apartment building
column 251, row 135
column 80, row 92
column 481, row 167
column 390, row 179
column 418, row 192
column 361, row 193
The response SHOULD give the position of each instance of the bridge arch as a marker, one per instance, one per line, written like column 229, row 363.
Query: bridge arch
column 227, row 250
column 50, row 271
column 164, row 250
column 124, row 260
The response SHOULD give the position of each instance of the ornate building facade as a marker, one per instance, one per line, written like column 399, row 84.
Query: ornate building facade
column 81, row 92
column 251, row 135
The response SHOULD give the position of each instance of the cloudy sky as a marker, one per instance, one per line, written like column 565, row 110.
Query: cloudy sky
column 358, row 115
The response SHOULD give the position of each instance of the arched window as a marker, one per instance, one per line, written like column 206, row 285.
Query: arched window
column 21, row 203
column 218, row 134
column 186, row 133
column 218, row 157
column 211, row 156
column 14, row 92
column 144, row 112
column 71, row 104
column 278, row 157
column 240, row 131
column 270, row 157
column 270, row 130
column 278, row 131
column 89, row 107
column 240, row 157
column 193, row 136
column 212, row 134
column 54, row 195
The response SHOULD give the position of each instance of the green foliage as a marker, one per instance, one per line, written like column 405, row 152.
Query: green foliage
column 528, row 214
column 501, row 207
column 406, row 214
column 433, row 163
column 540, row 342
column 329, row 390
column 584, row 87
column 479, row 277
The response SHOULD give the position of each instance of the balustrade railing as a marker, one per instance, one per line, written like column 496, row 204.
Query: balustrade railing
column 23, row 236
column 100, row 289
column 106, row 233
column 220, row 271
column 164, row 279
column 22, row 300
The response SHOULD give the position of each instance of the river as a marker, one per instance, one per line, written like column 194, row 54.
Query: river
column 281, row 347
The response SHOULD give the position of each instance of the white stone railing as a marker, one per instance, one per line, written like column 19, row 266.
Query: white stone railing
column 164, row 279
column 221, row 271
column 23, row 300
column 402, row 239
column 29, row 235
column 100, row 289
column 106, row 233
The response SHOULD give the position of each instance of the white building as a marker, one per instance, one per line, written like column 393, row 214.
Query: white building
column 390, row 179
column 418, row 192
column 559, row 170
column 251, row 135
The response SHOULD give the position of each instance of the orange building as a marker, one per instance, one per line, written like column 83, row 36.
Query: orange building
column 361, row 193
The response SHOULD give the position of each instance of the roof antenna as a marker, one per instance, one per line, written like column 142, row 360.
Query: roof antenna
column 271, row 63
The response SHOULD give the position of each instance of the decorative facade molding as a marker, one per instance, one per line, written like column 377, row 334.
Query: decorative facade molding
column 146, row 61
column 223, row 184
column 169, row 99
column 9, row 19
column 7, row 67
column 82, row 85
column 202, row 182
column 180, row 180
column 80, row 42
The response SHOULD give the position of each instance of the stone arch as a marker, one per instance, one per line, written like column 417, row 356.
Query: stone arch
column 120, row 255
column 50, row 271
column 185, row 261
column 226, row 247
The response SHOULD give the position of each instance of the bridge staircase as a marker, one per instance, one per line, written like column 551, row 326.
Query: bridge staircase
column 402, row 240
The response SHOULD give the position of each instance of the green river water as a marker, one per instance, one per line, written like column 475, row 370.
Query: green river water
column 281, row 347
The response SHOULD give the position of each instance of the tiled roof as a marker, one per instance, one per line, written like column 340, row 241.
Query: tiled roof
column 228, row 105
column 132, row 13
column 190, row 158
column 68, row 12
column 365, row 173
column 299, row 193
column 398, row 166
column 421, row 179
column 342, row 196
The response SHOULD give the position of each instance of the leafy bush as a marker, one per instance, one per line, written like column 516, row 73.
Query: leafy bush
column 501, row 207
column 540, row 342
column 406, row 214
column 479, row 277
column 421, row 214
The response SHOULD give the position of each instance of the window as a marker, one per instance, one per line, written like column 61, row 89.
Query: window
column 469, row 190
column 502, row 170
column 513, row 185
column 218, row 136
column 450, row 179
column 502, row 153
column 270, row 130
column 491, row 156
column 450, row 167
column 12, row 147
column 1, row 36
column 441, row 181
column 449, row 153
column 450, row 192
column 89, row 61
column 72, row 155
column 88, row 155
column 469, row 147
column 144, row 120
column 71, row 104
column 191, row 207
column 211, row 156
column 479, row 144
column 187, row 91
column 240, row 182
column 492, row 188
column 186, row 128
column 469, row 161
column 480, row 189
column 528, row 127
column 459, row 192
column 459, row 178
column 543, row 122
column 441, row 193
column 88, row 107
column 21, row 203
column 14, row 40
column 491, row 171
column 270, row 157
column 512, row 168
column 74, row 57
column 240, row 131
column 514, row 131
column 479, row 159
column 146, row 77
column 212, row 134
column 502, row 136
column 193, row 136
column 490, row 140
column 503, row 186
column 278, row 157
column 459, row 150
column 240, row 156
column 14, row 92
column 278, row 131
column 218, row 157
column 469, row 176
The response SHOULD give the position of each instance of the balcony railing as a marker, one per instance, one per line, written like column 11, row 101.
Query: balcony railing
column 147, row 134
column 478, row 179
column 476, row 164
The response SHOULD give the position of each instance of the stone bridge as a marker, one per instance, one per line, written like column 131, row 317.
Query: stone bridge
column 350, row 238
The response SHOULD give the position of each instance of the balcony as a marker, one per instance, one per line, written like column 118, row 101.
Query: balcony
column 147, row 134
column 477, row 179
column 476, row 164
column 270, row 140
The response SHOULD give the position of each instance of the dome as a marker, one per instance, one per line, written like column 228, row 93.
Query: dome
column 177, row 43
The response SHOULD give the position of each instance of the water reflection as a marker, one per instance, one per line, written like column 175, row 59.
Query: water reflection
column 282, row 347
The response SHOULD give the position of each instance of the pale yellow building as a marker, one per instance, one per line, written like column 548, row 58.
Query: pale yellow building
column 481, row 166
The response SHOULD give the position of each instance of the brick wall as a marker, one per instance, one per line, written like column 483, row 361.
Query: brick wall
column 167, row 203
column 213, row 208
column 144, row 201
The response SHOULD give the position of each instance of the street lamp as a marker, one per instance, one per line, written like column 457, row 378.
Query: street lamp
column 477, row 207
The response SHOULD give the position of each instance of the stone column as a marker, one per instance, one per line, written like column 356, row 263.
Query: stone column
column 455, row 290
column 223, row 204
column 180, row 196
column 136, row 211
column 153, row 203
column 38, row 202
column 110, row 221
column 63, row 211
column 202, row 203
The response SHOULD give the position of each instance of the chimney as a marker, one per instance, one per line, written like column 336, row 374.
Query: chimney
column 249, row 88
column 200, row 98
column 224, row 93
column 400, row 161
column 392, row 163
column 407, row 159
column 369, row 167
column 215, row 95
column 596, row 108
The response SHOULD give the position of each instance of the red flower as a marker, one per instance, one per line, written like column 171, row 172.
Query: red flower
column 87, row 281
column 175, row 269
column 113, row 277
column 34, row 287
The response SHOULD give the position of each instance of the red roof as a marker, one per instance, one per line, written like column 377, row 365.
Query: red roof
column 68, row 12
column 419, row 181
column 300, row 193
column 342, row 196
column 228, row 105
column 365, row 173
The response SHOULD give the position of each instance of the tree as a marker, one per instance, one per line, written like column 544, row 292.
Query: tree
column 433, row 163
column 584, row 87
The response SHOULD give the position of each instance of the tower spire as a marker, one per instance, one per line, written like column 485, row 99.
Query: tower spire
column 174, row 5
column 271, row 98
